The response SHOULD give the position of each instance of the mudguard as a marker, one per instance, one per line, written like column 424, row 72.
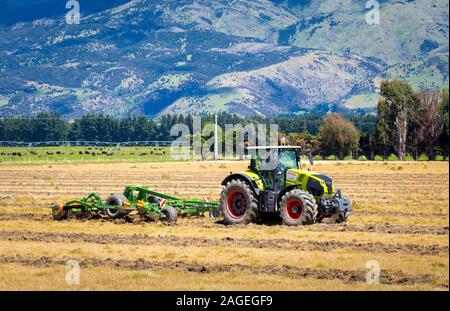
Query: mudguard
column 250, row 177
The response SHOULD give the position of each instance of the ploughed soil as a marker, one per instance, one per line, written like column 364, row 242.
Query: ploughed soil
column 378, row 228
column 348, row 276
column 142, row 239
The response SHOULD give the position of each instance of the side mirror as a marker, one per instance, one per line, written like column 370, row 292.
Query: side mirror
column 309, row 155
column 310, row 158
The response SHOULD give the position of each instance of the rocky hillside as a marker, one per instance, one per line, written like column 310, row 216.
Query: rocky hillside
column 251, row 57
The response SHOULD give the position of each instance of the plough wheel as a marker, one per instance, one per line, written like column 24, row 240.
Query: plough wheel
column 116, row 200
column 215, row 213
column 169, row 215
column 58, row 212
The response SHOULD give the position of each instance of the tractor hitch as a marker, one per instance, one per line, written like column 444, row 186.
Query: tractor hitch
column 334, row 205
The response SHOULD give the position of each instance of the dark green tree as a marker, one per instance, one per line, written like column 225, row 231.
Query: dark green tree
column 395, row 110
column 49, row 127
column 443, row 141
column 16, row 129
column 337, row 135
column 75, row 131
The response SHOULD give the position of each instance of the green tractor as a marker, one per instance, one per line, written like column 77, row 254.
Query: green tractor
column 276, row 183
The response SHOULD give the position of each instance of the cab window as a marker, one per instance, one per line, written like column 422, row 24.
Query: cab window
column 288, row 158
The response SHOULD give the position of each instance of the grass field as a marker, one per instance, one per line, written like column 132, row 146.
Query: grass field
column 400, row 219
column 83, row 154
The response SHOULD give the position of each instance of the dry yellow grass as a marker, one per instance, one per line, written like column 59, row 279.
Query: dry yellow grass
column 107, row 278
column 397, row 198
column 344, row 259
column 251, row 231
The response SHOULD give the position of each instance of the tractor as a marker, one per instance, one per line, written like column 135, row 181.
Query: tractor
column 275, row 183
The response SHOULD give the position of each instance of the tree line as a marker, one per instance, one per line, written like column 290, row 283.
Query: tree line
column 99, row 127
column 407, row 124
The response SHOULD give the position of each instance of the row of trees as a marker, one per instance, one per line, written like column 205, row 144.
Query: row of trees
column 406, row 123
column 90, row 127
column 414, row 121
column 99, row 127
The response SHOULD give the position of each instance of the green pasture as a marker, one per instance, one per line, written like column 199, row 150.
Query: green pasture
column 84, row 154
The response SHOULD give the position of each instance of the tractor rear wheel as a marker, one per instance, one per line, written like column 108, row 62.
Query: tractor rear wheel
column 238, row 203
column 116, row 200
column 169, row 215
column 298, row 207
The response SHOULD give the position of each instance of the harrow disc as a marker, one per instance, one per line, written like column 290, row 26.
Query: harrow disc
column 58, row 212
column 116, row 200
column 169, row 215
column 215, row 213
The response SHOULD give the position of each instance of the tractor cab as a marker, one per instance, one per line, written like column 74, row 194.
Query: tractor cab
column 275, row 182
column 273, row 166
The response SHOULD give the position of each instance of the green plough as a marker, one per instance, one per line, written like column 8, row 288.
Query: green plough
column 148, row 204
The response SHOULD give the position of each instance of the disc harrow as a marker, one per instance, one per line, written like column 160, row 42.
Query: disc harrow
column 147, row 203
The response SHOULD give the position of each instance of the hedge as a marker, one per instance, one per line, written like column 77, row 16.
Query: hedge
column 392, row 157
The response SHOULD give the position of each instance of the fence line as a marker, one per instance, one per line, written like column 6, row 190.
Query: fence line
column 150, row 143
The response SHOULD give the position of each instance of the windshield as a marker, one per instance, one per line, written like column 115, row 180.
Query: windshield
column 288, row 158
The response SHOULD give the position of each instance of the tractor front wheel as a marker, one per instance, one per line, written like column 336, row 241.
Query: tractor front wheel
column 238, row 203
column 298, row 207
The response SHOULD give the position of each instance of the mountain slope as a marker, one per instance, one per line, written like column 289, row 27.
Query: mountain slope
column 251, row 57
column 412, row 35
column 402, row 35
column 299, row 83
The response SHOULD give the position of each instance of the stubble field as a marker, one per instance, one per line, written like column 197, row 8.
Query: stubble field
column 400, row 219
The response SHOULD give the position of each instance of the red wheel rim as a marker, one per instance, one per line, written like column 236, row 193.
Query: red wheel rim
column 236, row 204
column 294, row 208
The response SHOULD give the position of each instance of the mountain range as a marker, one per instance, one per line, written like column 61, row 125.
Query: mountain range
column 251, row 57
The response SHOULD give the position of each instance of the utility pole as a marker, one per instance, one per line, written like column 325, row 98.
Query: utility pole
column 216, row 140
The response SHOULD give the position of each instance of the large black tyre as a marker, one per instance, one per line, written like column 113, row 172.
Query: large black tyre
column 169, row 215
column 116, row 200
column 298, row 207
column 238, row 203
column 58, row 212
